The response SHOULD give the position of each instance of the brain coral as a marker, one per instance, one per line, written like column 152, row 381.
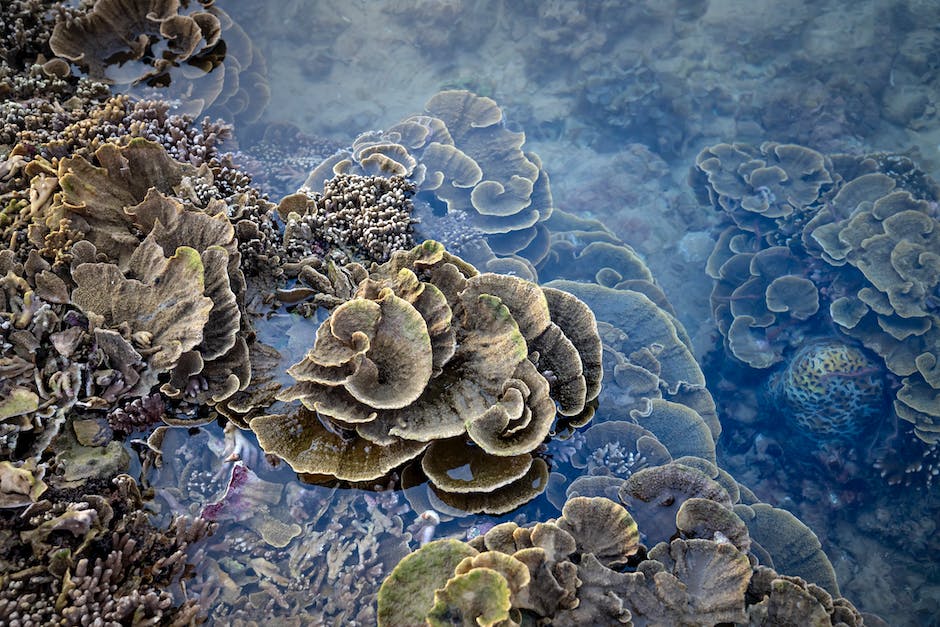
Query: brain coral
column 428, row 356
column 829, row 389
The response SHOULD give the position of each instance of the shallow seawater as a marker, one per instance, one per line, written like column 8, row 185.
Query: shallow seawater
column 617, row 99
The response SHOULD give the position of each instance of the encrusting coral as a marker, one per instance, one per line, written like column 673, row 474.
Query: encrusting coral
column 428, row 356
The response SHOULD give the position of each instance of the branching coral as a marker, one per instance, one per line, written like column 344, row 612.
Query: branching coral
column 26, row 28
column 464, row 161
column 72, row 560
column 39, row 387
column 429, row 356
column 283, row 551
column 280, row 160
column 365, row 217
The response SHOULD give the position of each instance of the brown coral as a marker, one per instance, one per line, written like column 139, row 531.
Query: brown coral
column 102, row 558
column 756, row 296
column 588, row 568
column 109, row 208
column 365, row 217
column 757, row 186
column 461, row 157
column 165, row 44
column 648, row 350
column 654, row 496
column 428, row 350
column 858, row 234
column 164, row 308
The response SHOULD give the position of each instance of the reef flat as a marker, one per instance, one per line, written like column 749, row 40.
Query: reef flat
column 468, row 312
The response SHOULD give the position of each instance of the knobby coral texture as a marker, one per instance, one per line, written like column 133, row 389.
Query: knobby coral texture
column 831, row 250
column 429, row 358
column 354, row 217
column 73, row 558
column 479, row 192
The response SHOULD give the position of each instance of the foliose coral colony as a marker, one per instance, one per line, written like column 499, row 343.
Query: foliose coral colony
column 830, row 267
column 138, row 262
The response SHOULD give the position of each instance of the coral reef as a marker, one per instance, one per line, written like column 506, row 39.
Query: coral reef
column 136, row 253
column 654, row 409
column 829, row 390
column 177, row 290
column 127, row 264
column 647, row 350
column 429, row 357
column 447, row 25
column 97, row 558
column 358, row 218
column 280, row 156
column 196, row 55
column 283, row 551
column 588, row 567
column 26, row 29
column 858, row 235
column 464, row 162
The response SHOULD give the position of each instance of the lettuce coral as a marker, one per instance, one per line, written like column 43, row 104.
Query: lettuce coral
column 858, row 236
column 428, row 356
column 467, row 166
column 588, row 567
column 204, row 57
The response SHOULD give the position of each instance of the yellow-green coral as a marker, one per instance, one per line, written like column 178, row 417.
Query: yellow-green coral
column 429, row 351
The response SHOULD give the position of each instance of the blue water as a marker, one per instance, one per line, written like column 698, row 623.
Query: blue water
column 617, row 98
